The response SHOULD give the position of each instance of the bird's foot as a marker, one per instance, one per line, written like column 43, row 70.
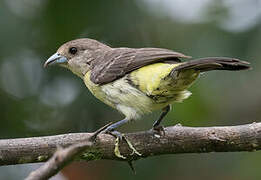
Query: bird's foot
column 109, row 129
column 159, row 130
column 119, row 137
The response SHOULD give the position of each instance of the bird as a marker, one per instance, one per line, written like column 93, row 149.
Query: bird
column 136, row 81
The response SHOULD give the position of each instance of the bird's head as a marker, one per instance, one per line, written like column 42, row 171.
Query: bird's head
column 76, row 55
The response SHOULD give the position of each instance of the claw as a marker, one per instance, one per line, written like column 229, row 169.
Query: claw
column 109, row 129
column 134, row 151
column 117, row 141
column 117, row 150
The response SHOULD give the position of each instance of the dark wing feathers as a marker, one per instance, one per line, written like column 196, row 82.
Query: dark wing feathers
column 214, row 63
column 113, row 64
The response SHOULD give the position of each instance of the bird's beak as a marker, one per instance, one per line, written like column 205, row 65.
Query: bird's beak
column 55, row 59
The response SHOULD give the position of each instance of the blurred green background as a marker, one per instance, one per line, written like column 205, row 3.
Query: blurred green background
column 35, row 101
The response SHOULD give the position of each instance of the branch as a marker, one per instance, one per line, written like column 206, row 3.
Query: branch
column 62, row 157
column 177, row 139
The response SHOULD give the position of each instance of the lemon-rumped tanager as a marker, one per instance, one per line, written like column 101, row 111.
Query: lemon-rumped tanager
column 136, row 81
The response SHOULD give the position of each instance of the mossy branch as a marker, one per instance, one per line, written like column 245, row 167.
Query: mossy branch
column 177, row 139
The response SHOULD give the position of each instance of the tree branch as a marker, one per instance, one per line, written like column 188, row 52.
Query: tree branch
column 177, row 139
column 62, row 157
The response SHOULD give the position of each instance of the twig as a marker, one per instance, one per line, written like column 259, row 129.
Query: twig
column 62, row 157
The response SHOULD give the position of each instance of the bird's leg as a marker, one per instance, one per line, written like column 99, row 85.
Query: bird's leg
column 119, row 136
column 111, row 129
column 156, row 124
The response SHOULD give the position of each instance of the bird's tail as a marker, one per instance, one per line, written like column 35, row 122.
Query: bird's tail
column 213, row 63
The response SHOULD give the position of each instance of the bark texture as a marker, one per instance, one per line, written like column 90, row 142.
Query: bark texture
column 177, row 139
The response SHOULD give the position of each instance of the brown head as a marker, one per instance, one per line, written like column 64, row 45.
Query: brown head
column 76, row 55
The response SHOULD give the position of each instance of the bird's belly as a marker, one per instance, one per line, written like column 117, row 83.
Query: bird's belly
column 121, row 95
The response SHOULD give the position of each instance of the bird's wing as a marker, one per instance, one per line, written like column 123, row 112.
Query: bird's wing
column 111, row 65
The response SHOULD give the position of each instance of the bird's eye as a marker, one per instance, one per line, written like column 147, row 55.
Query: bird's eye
column 73, row 50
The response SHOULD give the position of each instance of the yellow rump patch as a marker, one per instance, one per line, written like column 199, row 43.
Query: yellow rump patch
column 149, row 77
